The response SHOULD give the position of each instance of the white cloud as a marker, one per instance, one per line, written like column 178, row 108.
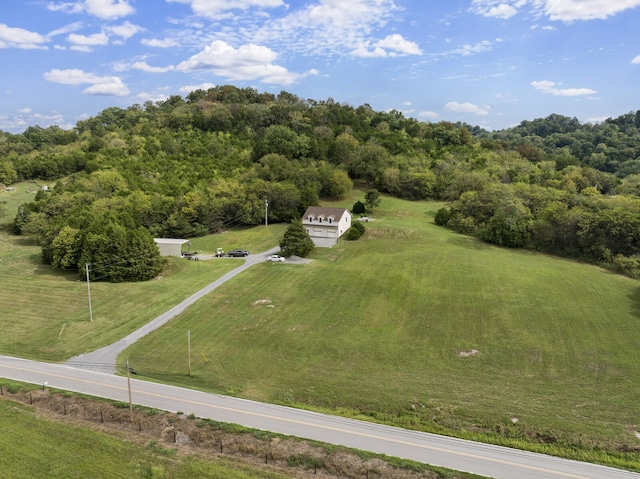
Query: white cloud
column 397, row 43
column 501, row 11
column 212, row 8
column 466, row 108
column 67, row 7
column 391, row 45
column 504, row 9
column 636, row 60
column 108, row 85
column 165, row 43
column 154, row 97
column 126, row 30
column 561, row 10
column 248, row 62
column 143, row 66
column 81, row 48
column 72, row 27
column 428, row 114
column 467, row 50
column 331, row 27
column 24, row 110
column 551, row 88
column 108, row 9
column 88, row 40
column 597, row 119
column 105, row 9
column 19, row 38
column 189, row 88
column 570, row 10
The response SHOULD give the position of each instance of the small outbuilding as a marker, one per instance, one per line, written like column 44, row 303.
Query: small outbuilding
column 170, row 247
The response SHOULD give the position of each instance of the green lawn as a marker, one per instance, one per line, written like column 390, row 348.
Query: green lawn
column 384, row 328
column 379, row 328
column 45, row 312
column 35, row 447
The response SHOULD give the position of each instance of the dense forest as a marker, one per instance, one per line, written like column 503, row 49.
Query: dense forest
column 191, row 166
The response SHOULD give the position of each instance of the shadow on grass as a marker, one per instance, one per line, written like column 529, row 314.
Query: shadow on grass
column 635, row 301
column 469, row 242
column 42, row 269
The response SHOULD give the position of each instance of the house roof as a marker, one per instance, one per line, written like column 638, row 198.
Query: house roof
column 325, row 212
column 170, row 241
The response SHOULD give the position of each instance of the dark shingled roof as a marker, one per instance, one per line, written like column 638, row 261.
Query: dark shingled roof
column 325, row 212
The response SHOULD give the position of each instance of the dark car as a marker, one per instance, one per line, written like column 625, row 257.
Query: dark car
column 238, row 253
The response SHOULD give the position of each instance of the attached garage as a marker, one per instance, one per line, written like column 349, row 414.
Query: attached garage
column 170, row 247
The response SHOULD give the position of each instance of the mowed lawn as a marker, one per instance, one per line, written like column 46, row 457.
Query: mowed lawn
column 421, row 327
column 45, row 312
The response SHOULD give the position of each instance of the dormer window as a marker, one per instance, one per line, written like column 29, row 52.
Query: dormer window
column 330, row 219
column 319, row 219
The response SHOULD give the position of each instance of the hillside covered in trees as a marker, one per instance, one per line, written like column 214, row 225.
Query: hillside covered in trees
column 191, row 166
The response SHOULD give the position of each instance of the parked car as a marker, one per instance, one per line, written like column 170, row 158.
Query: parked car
column 238, row 253
column 275, row 258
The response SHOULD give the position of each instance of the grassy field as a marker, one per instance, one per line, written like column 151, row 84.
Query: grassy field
column 36, row 447
column 417, row 326
column 45, row 313
column 412, row 325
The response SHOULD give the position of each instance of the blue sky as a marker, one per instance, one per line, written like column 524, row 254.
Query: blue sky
column 491, row 63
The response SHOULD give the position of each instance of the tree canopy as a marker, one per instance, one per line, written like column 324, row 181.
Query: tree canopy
column 186, row 167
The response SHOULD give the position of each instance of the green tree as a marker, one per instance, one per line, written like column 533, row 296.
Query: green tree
column 340, row 184
column 296, row 240
column 355, row 232
column 358, row 208
column 372, row 199
column 8, row 173
column 66, row 248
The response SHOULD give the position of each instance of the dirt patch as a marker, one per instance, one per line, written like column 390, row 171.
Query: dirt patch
column 466, row 354
column 189, row 435
column 260, row 302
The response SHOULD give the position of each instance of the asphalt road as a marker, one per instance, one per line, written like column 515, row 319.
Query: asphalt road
column 484, row 459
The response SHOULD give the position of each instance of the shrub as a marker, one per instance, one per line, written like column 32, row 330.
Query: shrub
column 358, row 208
column 443, row 216
column 629, row 266
column 355, row 232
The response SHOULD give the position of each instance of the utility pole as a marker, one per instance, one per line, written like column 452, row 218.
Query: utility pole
column 86, row 268
column 129, row 387
column 189, row 351
column 266, row 207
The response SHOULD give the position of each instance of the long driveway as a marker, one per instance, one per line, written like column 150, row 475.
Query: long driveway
column 484, row 459
column 105, row 358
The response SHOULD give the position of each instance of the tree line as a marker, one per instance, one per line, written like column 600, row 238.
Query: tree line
column 191, row 166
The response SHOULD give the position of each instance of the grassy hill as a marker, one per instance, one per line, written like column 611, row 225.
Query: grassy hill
column 420, row 327
column 412, row 325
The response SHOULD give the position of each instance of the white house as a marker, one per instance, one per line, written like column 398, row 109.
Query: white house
column 170, row 247
column 326, row 225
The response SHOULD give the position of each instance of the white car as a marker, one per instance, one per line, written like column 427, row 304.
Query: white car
column 275, row 258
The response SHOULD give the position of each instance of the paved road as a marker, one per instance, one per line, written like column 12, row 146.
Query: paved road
column 484, row 459
column 104, row 359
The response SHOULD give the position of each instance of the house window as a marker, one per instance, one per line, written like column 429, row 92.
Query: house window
column 310, row 218
column 319, row 220
column 330, row 220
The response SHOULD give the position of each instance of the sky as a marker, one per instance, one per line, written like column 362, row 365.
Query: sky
column 491, row 63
